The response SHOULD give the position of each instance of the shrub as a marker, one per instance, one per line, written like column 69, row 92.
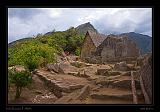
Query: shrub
column 78, row 51
column 31, row 55
column 76, row 64
column 20, row 79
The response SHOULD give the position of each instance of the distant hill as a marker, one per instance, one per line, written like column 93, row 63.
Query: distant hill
column 144, row 42
column 82, row 29
column 19, row 40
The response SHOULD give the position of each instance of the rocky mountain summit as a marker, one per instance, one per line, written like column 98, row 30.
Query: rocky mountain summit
column 83, row 28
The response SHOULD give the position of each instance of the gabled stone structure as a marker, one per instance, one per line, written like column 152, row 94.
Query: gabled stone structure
column 98, row 48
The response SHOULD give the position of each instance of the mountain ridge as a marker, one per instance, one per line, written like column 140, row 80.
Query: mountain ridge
column 144, row 42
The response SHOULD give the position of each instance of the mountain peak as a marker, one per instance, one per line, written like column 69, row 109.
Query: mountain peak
column 83, row 28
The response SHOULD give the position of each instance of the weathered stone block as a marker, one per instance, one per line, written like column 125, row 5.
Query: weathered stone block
column 122, row 66
column 102, row 71
column 84, row 92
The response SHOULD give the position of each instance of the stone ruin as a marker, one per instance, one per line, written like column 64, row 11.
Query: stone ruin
column 116, row 49
column 145, row 73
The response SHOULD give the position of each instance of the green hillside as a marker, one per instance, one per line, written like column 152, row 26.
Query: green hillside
column 42, row 49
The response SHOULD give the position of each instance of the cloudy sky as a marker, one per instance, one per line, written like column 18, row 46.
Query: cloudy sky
column 25, row 22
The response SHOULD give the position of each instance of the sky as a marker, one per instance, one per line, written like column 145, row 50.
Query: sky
column 26, row 22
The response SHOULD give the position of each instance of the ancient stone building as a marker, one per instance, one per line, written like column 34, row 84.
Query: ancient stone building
column 115, row 48
column 91, row 42
column 99, row 48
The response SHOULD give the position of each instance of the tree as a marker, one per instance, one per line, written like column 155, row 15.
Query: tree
column 20, row 79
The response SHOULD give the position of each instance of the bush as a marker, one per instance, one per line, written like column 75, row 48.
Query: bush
column 76, row 64
column 31, row 55
column 78, row 51
column 20, row 79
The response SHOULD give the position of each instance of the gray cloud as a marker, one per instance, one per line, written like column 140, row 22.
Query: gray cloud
column 137, row 20
column 24, row 22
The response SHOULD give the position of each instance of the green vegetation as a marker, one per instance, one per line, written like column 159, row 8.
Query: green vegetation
column 20, row 79
column 67, row 40
column 76, row 64
column 37, row 52
column 31, row 54
column 78, row 51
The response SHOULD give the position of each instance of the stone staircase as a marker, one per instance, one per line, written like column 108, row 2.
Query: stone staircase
column 57, row 83
column 116, row 94
column 116, row 89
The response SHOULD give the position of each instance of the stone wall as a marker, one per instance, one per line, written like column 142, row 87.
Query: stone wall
column 87, row 48
column 117, row 49
column 146, row 73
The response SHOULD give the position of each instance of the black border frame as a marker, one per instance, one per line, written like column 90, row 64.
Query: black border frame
column 118, row 106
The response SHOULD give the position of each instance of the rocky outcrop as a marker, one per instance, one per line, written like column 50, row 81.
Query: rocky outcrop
column 82, row 29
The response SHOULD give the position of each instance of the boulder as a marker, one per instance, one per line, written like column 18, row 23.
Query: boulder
column 122, row 66
column 83, row 74
column 66, row 67
column 131, row 67
column 54, row 67
column 102, row 71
